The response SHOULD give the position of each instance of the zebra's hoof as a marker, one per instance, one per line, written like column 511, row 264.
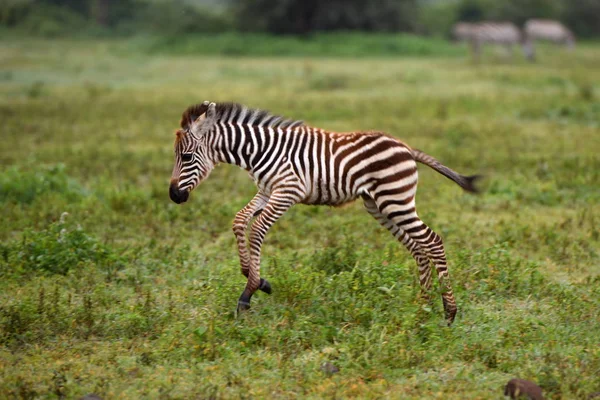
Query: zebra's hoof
column 265, row 286
column 450, row 315
column 242, row 306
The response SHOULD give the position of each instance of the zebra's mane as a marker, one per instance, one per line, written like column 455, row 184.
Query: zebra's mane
column 191, row 114
column 239, row 113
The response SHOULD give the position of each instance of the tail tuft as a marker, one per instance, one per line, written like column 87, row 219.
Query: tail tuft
column 468, row 183
column 465, row 182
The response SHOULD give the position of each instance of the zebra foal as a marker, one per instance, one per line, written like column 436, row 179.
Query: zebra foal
column 293, row 163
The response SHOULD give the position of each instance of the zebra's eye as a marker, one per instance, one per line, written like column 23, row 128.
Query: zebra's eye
column 186, row 157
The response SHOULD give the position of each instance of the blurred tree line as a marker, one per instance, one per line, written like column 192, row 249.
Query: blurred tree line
column 299, row 17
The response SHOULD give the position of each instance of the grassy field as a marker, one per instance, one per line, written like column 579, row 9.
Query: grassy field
column 108, row 287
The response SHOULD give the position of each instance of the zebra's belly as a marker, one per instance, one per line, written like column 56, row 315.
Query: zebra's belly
column 329, row 196
column 333, row 202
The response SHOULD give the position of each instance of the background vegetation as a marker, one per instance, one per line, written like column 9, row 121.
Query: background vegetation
column 108, row 287
column 299, row 17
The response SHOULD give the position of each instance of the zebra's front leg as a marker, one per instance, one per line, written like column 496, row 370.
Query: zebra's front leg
column 277, row 205
column 476, row 50
column 240, row 225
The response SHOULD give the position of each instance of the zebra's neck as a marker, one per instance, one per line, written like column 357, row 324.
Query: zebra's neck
column 249, row 146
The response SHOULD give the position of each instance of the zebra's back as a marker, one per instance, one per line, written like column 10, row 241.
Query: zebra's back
column 541, row 29
column 496, row 32
column 331, row 168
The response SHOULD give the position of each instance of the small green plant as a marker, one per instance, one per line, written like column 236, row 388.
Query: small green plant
column 336, row 257
column 329, row 82
column 24, row 186
column 58, row 249
column 586, row 91
column 35, row 90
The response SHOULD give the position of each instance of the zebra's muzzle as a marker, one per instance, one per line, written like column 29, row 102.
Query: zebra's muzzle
column 178, row 196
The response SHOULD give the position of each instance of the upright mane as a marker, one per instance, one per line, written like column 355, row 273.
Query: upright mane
column 239, row 113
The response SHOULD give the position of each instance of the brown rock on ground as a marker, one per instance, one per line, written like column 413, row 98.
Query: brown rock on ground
column 91, row 396
column 522, row 389
column 329, row 368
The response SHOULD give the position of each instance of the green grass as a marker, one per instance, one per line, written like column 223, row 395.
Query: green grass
column 326, row 45
column 130, row 295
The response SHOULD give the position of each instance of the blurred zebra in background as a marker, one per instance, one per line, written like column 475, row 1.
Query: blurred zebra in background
column 461, row 31
column 505, row 34
column 546, row 30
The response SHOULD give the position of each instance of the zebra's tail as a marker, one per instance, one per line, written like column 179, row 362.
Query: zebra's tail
column 465, row 182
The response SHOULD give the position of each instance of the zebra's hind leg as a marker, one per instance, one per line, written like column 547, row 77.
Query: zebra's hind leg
column 415, row 250
column 240, row 225
column 403, row 214
column 277, row 205
column 434, row 247
column 508, row 52
column 476, row 51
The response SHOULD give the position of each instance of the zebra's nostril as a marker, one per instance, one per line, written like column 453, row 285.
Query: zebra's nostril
column 174, row 194
column 183, row 196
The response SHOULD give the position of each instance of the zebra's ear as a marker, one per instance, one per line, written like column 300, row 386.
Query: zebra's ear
column 203, row 111
column 194, row 114
column 211, row 112
column 205, row 120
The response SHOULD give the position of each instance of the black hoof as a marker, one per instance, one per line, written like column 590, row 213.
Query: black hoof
column 243, row 303
column 242, row 306
column 265, row 286
column 450, row 315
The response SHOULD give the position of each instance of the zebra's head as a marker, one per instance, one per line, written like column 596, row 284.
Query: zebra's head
column 462, row 31
column 193, row 159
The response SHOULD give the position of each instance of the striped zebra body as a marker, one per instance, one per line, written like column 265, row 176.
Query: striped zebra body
column 315, row 165
column 504, row 34
column 549, row 31
column 293, row 163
